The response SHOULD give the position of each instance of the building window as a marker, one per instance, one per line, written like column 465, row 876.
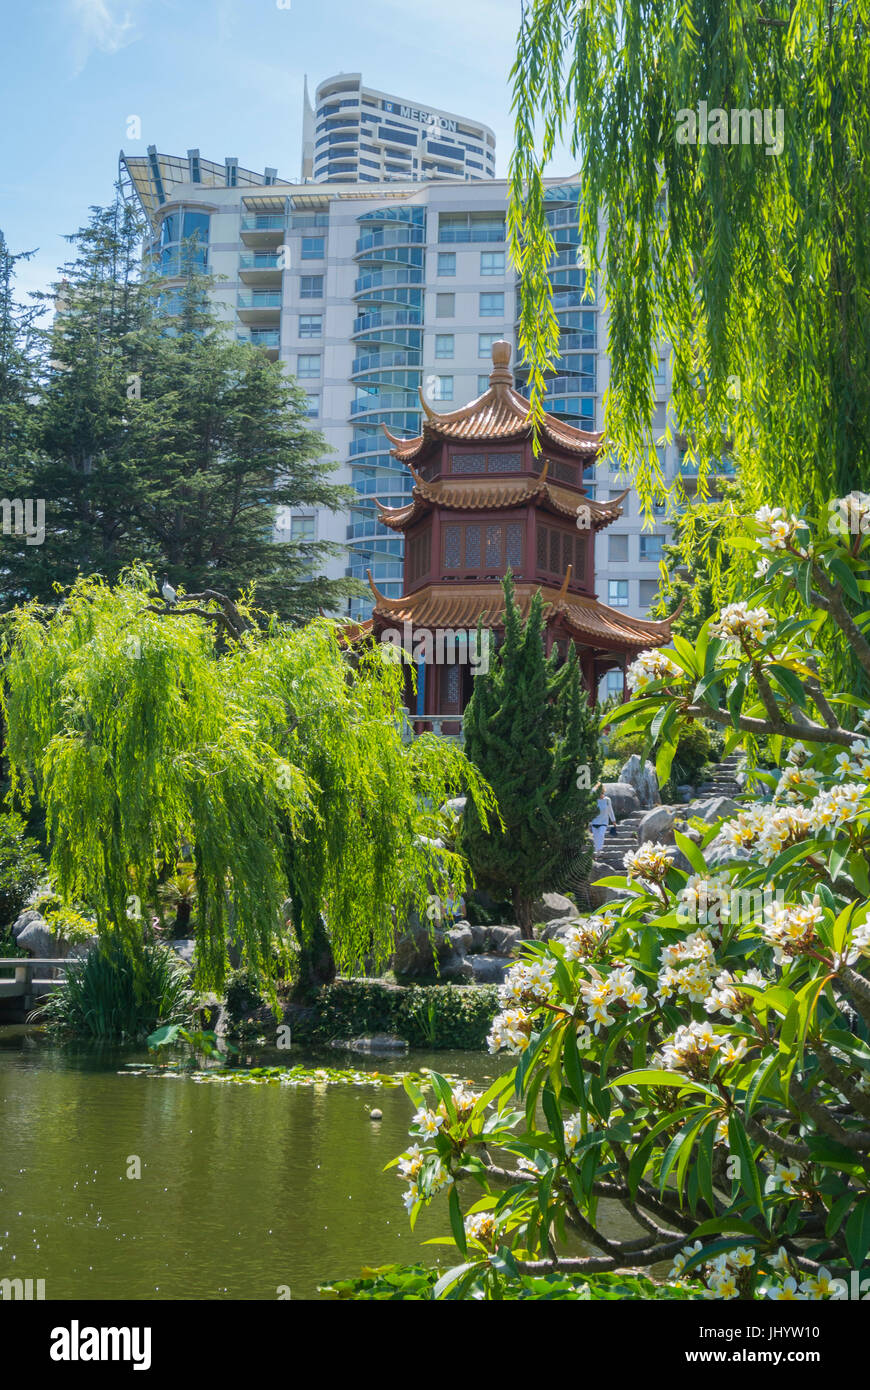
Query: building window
column 445, row 306
column 311, row 287
column 442, row 388
column 302, row 528
column 648, row 589
column 312, row 406
column 307, row 366
column 614, row 684
column 482, row 383
column 617, row 593
column 444, row 344
column 310, row 325
column 446, row 262
column 485, row 342
column 470, row 226
column 651, row 548
column 492, row 306
column 617, row 549
column 492, row 262
column 313, row 248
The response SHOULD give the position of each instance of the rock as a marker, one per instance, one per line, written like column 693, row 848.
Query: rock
column 457, row 969
column 488, row 970
column 712, row 808
column 718, row 853
column 37, row 939
column 623, row 797
column 376, row 1114
column 600, row 895
column 600, row 869
column 658, row 824
column 417, row 952
column 505, row 939
column 479, row 937
column 642, row 776
column 551, row 905
column 454, row 808
column 23, row 920
column 551, row 931
column 184, row 947
column 379, row 1042
column 460, row 937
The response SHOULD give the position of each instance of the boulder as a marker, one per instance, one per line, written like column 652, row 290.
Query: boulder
column 487, row 969
column 457, row 969
column 718, row 853
column 504, row 940
column 417, row 952
column 601, row 869
column 378, row 1042
column 658, row 824
column 623, row 797
column 461, row 938
column 551, row 905
column 712, row 808
column 37, row 939
column 552, row 931
column 479, row 937
column 23, row 920
column 684, row 792
column 454, row 808
column 642, row 776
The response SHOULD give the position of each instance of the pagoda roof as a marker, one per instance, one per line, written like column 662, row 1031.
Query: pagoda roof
column 499, row 415
column 491, row 494
column 454, row 605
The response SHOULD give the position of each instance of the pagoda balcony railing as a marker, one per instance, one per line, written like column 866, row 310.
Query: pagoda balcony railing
column 445, row 725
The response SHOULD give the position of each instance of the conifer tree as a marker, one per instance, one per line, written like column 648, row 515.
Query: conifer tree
column 533, row 735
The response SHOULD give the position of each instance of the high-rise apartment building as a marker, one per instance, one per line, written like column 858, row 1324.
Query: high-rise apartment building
column 372, row 293
column 353, row 132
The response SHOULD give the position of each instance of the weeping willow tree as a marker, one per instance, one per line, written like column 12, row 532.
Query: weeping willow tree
column 149, row 735
column 724, row 187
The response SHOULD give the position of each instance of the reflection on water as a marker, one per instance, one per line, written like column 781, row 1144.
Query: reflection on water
column 244, row 1189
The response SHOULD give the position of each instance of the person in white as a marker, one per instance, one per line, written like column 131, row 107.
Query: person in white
column 603, row 817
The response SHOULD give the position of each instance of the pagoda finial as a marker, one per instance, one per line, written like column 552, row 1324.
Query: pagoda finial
column 501, row 374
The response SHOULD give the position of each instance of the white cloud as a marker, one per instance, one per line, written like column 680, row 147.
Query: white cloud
column 101, row 25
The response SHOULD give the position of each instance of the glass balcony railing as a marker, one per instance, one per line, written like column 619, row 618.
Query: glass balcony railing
column 263, row 222
column 409, row 275
column 392, row 236
column 257, row 260
column 376, row 361
column 394, row 400
column 259, row 299
column 389, row 318
column 260, row 337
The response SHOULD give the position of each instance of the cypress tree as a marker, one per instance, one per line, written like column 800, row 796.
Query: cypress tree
column 533, row 735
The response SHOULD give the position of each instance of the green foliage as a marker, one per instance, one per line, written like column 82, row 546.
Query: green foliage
column 414, row 1282
column 21, row 867
column 530, row 731
column 114, row 993
column 243, row 995
column 140, row 733
column 754, row 265
column 431, row 1016
column 694, row 750
column 700, row 1051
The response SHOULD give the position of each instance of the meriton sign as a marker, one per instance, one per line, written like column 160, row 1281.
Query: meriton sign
column 413, row 113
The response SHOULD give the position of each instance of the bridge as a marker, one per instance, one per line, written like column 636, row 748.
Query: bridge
column 23, row 991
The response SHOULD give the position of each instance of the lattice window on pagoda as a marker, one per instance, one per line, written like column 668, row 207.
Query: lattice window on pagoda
column 419, row 556
column 468, row 463
column 486, row 463
column 514, row 548
column 504, row 463
column 567, row 551
column 557, row 548
column 450, row 687
column 580, row 544
column 541, row 547
column 472, row 547
column 452, row 547
column 494, row 547
column 555, row 540
column 563, row 472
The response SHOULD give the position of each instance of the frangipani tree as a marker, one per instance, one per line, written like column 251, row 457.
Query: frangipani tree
column 148, row 730
column 700, row 1053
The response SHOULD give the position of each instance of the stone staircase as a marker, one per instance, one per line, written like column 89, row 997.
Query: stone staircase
column 617, row 846
column 724, row 781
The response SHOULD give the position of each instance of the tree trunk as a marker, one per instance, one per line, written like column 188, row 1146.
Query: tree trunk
column 523, row 912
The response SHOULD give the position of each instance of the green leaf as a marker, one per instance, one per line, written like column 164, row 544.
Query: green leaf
column 457, row 1225
column 749, row 1177
column 691, row 851
column 858, row 1231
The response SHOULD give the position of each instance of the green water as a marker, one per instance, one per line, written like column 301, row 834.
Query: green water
column 243, row 1188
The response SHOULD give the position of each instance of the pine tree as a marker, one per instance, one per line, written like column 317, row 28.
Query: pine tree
column 159, row 439
column 533, row 735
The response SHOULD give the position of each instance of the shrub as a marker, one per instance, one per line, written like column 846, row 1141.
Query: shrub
column 694, row 751
column 433, row 1016
column 21, row 867
column 243, row 995
column 114, row 993
column 699, row 1053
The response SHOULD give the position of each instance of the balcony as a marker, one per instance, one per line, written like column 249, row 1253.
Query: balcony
column 261, row 307
column 266, row 338
column 405, row 235
column 263, row 228
column 379, row 361
column 387, row 319
column 373, row 279
column 260, row 268
column 383, row 400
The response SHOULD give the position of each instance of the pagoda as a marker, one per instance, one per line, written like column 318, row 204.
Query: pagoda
column 483, row 503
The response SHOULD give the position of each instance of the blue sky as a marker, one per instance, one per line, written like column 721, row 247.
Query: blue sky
column 222, row 75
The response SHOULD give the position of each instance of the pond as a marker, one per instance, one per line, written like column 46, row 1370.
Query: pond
column 243, row 1188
